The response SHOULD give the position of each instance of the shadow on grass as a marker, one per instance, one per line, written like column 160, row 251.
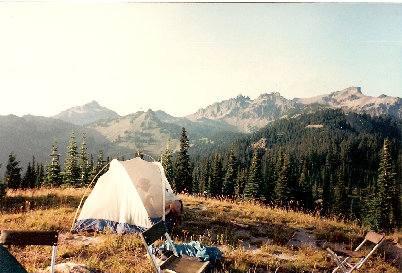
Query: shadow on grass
column 13, row 204
column 210, row 230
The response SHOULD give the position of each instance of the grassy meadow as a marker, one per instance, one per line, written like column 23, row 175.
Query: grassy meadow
column 252, row 237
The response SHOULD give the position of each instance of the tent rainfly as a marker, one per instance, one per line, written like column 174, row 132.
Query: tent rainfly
column 128, row 198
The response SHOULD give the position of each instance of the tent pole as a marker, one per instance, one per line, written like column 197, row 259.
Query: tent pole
column 163, row 193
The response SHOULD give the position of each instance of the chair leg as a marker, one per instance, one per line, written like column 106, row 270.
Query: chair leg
column 54, row 258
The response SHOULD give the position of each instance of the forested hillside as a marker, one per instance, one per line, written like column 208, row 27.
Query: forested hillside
column 327, row 160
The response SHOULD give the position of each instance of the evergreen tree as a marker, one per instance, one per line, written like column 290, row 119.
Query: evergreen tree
column 370, row 213
column 33, row 181
column 269, row 181
column 242, row 176
column 215, row 187
column 13, row 172
column 167, row 164
column 53, row 174
column 91, row 168
column 71, row 169
column 385, row 190
column 28, row 177
column 327, row 188
column 84, row 163
column 341, row 206
column 254, row 186
column 196, row 179
column 183, row 179
column 40, row 175
column 306, row 190
column 397, row 198
column 283, row 187
column 100, row 163
column 205, row 178
column 231, row 176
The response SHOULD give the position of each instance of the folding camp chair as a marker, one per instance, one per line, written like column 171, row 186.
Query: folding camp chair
column 23, row 238
column 344, row 265
column 175, row 263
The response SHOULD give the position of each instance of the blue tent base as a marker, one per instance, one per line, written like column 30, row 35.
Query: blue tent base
column 101, row 225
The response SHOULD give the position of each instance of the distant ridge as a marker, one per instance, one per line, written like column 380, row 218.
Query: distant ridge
column 245, row 114
column 88, row 113
column 248, row 115
column 352, row 99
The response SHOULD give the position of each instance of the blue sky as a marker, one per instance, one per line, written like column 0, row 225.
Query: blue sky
column 181, row 57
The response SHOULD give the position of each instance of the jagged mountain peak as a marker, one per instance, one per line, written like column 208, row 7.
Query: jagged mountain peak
column 352, row 99
column 244, row 113
column 88, row 113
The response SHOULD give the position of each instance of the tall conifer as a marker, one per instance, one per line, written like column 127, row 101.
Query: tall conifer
column 341, row 204
column 385, row 189
column 283, row 188
column 231, row 176
column 54, row 177
column 215, row 187
column 100, row 163
column 28, row 177
column 71, row 168
column 306, row 189
column 13, row 172
column 84, row 163
column 253, row 188
column 167, row 164
column 183, row 175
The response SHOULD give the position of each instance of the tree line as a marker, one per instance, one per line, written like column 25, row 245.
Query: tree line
column 346, row 165
column 78, row 170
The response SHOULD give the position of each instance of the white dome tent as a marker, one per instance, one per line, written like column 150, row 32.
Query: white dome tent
column 128, row 198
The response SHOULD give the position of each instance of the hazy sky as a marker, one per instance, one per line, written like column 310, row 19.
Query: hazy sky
column 181, row 57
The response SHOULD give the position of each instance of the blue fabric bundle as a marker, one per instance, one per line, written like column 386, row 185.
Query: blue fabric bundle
column 195, row 249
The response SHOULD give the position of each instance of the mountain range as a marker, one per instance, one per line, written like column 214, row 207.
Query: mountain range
column 150, row 131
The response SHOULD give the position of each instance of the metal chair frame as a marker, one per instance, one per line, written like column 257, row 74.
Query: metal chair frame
column 155, row 233
column 345, row 265
column 23, row 238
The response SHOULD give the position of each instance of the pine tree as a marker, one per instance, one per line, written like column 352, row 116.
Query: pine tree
column 83, row 163
column 231, row 176
column 100, row 163
column 183, row 179
column 254, row 186
column 13, row 172
column 397, row 197
column 167, row 164
column 283, row 187
column 385, row 189
column 33, row 181
column 341, row 205
column 26, row 180
column 215, row 187
column 40, row 177
column 71, row 169
column 196, row 180
column 91, row 167
column 306, row 189
column 205, row 178
column 241, row 183
column 327, row 191
column 53, row 174
column 269, row 181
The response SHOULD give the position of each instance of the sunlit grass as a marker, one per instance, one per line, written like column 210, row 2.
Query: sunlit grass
column 252, row 237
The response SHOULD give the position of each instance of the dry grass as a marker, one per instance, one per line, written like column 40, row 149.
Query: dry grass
column 252, row 237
